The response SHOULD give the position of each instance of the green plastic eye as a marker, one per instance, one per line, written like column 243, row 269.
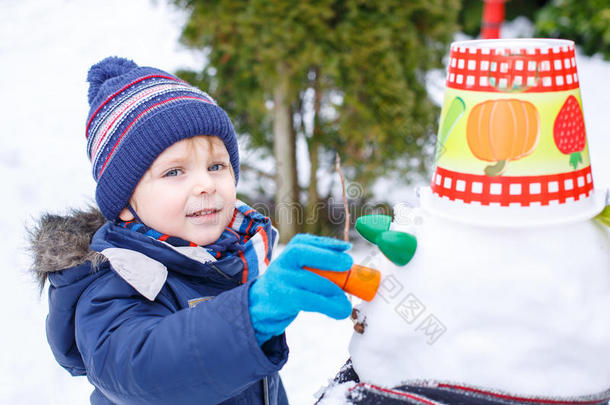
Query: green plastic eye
column 398, row 247
column 371, row 226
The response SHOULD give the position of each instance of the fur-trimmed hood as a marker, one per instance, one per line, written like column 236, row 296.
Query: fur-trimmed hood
column 59, row 242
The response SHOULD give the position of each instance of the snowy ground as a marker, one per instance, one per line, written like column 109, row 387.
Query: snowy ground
column 45, row 49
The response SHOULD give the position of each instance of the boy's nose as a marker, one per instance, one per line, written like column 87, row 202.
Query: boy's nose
column 203, row 183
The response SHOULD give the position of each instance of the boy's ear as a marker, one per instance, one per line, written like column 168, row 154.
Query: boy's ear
column 126, row 215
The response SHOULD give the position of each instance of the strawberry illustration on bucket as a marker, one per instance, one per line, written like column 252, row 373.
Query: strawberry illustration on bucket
column 569, row 131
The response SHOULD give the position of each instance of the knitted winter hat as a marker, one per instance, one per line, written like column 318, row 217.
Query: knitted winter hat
column 135, row 114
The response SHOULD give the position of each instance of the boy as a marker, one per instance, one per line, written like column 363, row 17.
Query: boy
column 162, row 300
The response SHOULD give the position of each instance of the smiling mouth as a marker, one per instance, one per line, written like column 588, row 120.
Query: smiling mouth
column 203, row 213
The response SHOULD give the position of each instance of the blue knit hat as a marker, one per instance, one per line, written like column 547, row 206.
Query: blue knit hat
column 135, row 114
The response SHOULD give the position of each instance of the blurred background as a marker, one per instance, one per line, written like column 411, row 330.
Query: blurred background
column 302, row 81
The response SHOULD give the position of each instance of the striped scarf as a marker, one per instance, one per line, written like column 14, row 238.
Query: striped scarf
column 250, row 235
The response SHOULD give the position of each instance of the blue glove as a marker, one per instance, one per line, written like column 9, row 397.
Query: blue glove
column 286, row 288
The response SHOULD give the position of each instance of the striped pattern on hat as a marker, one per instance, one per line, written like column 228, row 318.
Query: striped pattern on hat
column 110, row 122
column 136, row 113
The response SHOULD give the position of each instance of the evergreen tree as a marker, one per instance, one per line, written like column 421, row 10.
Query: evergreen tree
column 587, row 22
column 470, row 17
column 347, row 75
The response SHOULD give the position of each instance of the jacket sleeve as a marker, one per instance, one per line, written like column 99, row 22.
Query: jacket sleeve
column 138, row 351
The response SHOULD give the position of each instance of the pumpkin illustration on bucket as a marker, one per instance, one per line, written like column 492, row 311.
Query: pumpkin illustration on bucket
column 502, row 130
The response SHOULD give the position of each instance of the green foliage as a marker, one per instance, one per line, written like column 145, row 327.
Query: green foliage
column 366, row 60
column 471, row 13
column 470, row 17
column 384, row 49
column 587, row 22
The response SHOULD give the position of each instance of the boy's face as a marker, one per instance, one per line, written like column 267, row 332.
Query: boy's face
column 188, row 191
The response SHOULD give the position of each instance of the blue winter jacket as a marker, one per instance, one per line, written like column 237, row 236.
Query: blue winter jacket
column 190, row 342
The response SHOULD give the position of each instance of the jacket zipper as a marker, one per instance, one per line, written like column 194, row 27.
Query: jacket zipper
column 265, row 391
column 212, row 265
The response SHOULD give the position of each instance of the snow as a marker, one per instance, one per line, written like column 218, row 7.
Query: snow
column 46, row 48
column 526, row 309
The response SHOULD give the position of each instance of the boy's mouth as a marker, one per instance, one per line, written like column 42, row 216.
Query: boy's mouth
column 202, row 213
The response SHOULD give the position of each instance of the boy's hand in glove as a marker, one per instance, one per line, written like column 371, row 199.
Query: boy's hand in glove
column 286, row 288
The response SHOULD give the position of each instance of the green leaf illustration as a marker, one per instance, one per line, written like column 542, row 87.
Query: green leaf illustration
column 455, row 111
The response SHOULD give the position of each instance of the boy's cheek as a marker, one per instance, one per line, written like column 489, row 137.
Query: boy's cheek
column 230, row 193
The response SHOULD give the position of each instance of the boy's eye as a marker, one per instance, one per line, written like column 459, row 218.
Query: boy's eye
column 172, row 173
column 217, row 166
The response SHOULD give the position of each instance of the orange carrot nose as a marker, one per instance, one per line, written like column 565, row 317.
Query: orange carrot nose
column 360, row 281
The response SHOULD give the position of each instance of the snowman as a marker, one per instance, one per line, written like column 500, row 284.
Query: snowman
column 496, row 288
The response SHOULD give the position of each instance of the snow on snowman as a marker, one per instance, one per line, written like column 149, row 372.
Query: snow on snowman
column 496, row 290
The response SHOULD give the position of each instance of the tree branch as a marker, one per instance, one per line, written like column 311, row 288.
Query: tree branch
column 345, row 205
column 248, row 168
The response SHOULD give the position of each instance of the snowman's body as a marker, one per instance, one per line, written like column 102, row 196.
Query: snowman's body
column 524, row 310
